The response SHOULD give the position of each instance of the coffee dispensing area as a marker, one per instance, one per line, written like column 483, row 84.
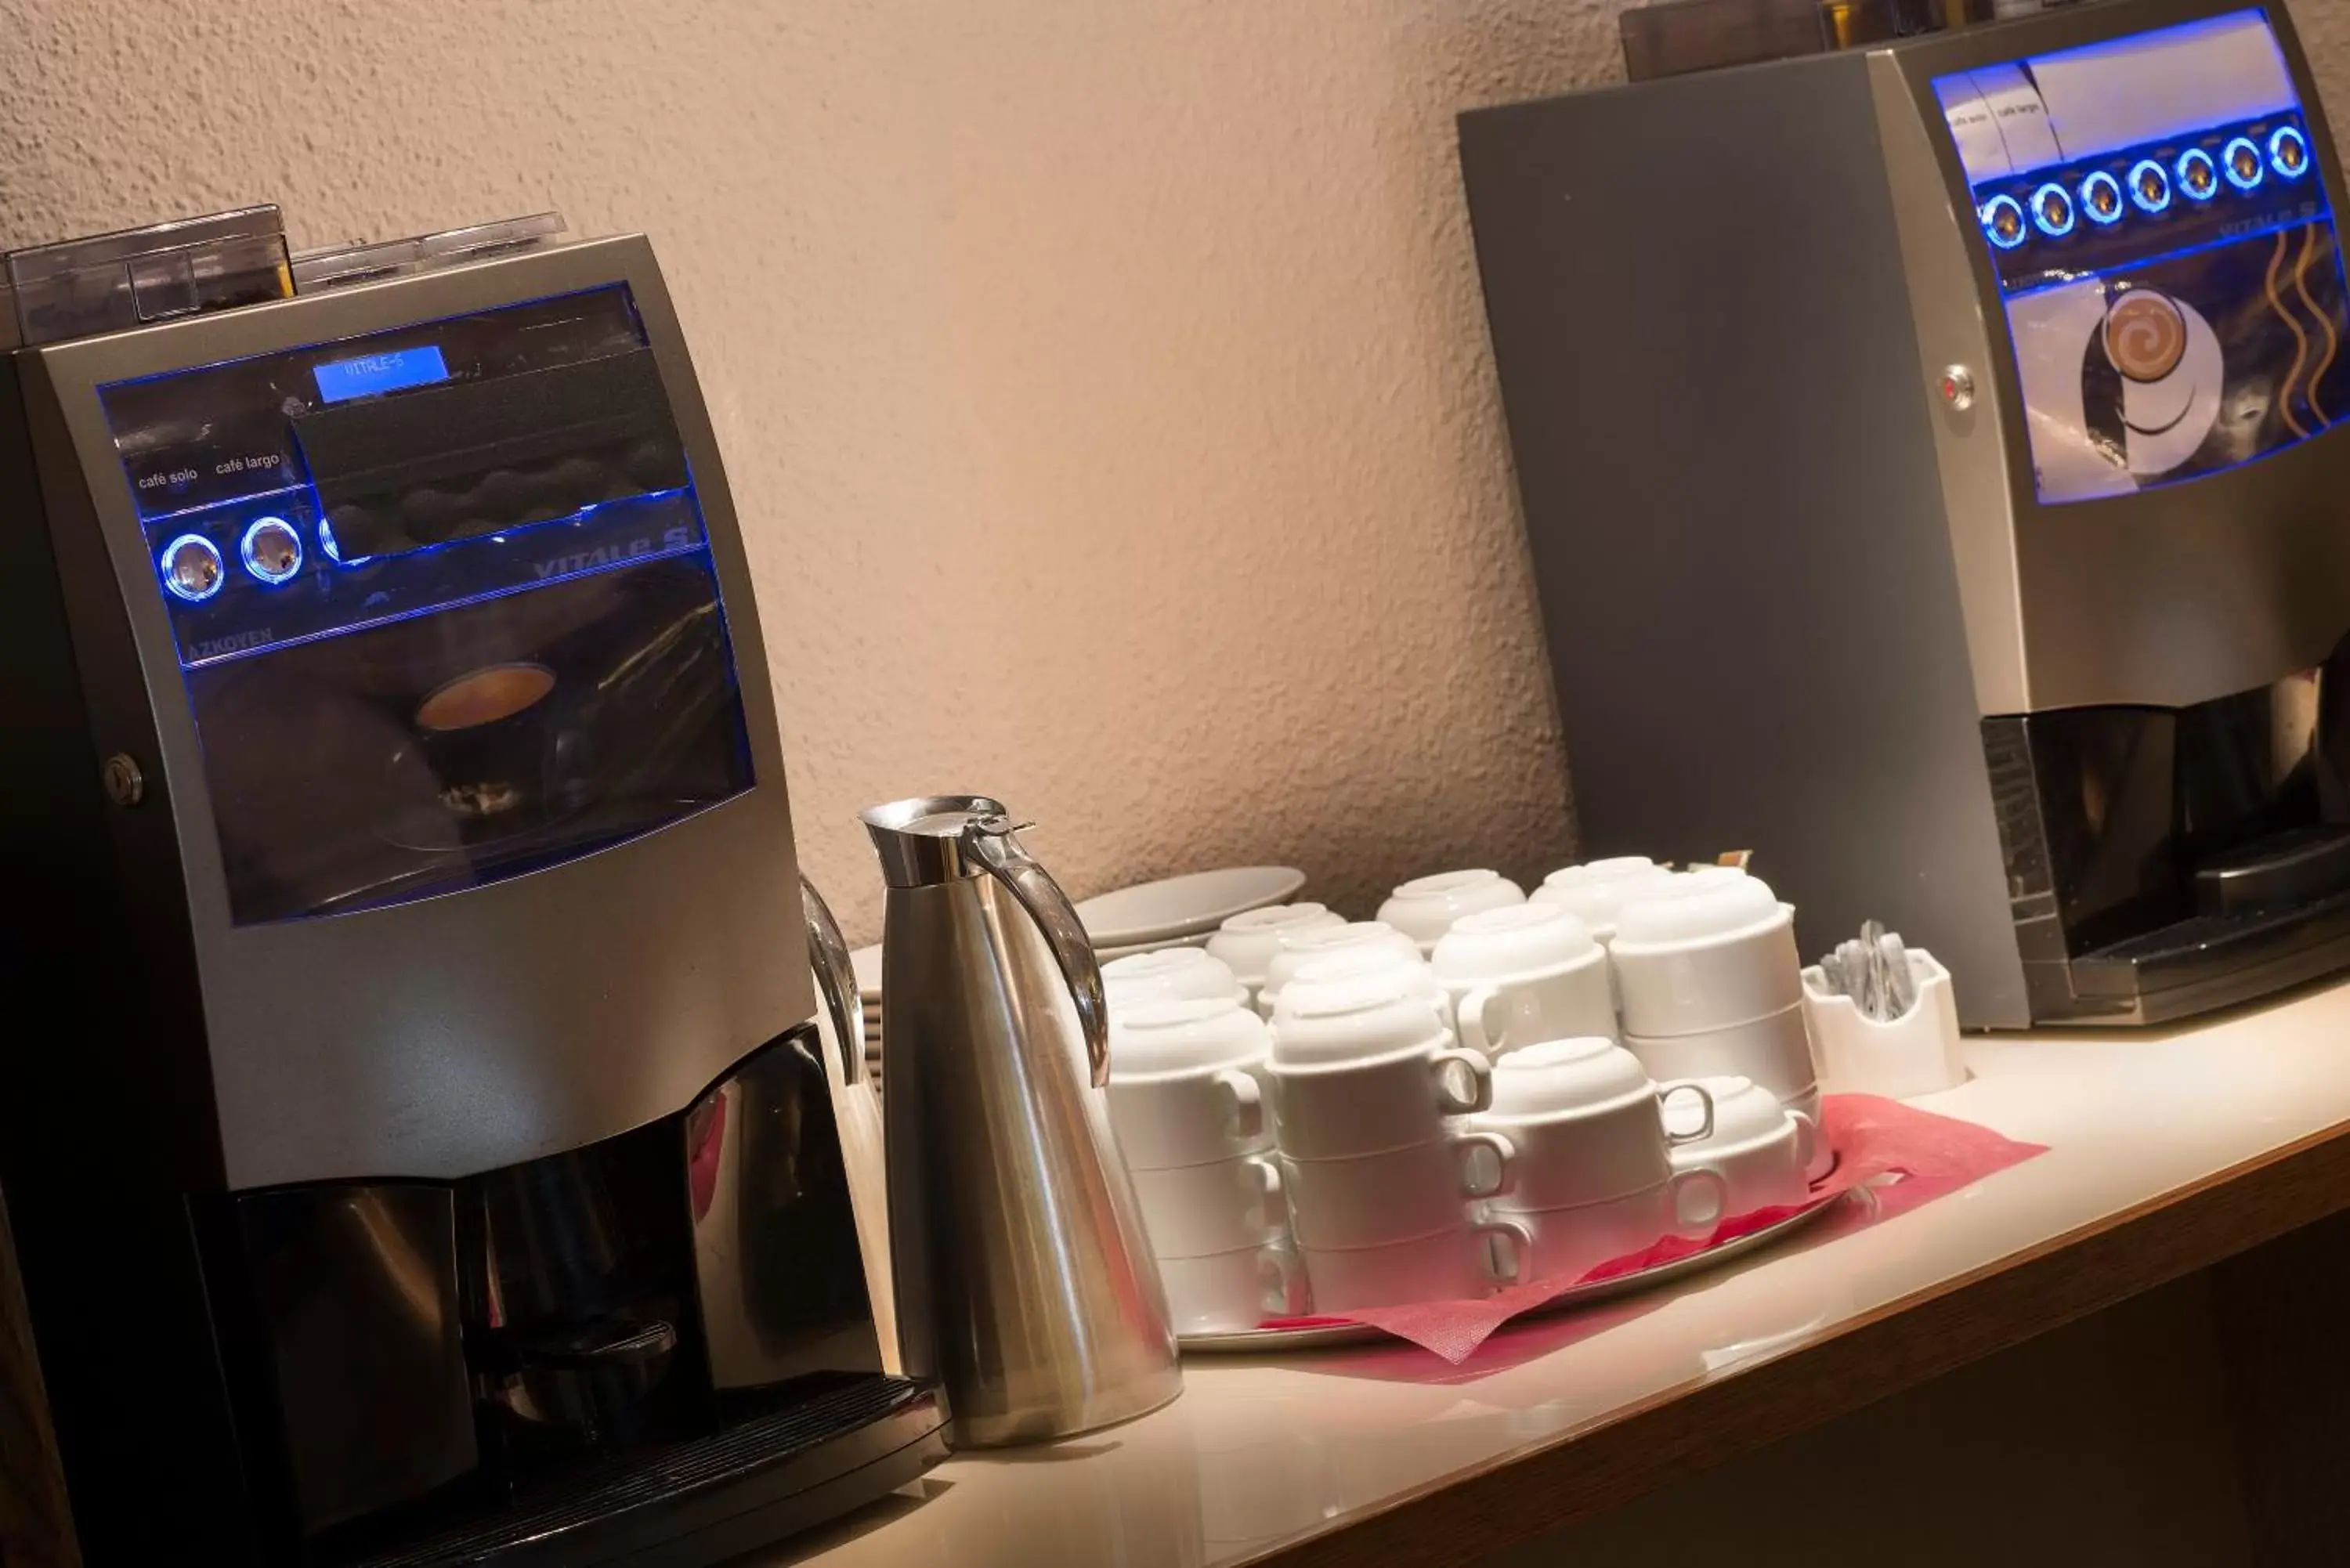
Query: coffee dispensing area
column 452, row 1130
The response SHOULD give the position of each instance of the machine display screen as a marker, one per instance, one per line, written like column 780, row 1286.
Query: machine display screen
column 340, row 380
column 444, row 599
column 2156, row 213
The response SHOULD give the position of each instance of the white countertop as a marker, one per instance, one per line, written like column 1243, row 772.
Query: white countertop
column 1259, row 1453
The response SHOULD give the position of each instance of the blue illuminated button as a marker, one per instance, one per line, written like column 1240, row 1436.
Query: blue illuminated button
column 2002, row 220
column 272, row 550
column 2051, row 209
column 2289, row 153
column 2101, row 198
column 2197, row 175
column 2244, row 163
column 2150, row 186
column 192, row 569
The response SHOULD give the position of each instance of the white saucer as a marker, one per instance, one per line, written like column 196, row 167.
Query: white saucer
column 1178, row 907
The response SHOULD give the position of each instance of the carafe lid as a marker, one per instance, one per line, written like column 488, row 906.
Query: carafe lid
column 920, row 840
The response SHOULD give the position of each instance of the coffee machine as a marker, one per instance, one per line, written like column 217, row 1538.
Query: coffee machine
column 1929, row 462
column 416, row 1141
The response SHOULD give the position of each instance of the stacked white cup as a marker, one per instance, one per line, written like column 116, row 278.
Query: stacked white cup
column 1760, row 1148
column 1522, row 974
column 1301, row 947
column 1710, row 985
column 1383, row 1177
column 1597, row 1177
column 1597, row 889
column 1169, row 974
column 1350, row 964
column 1186, row 1102
column 1248, row 941
column 1425, row 908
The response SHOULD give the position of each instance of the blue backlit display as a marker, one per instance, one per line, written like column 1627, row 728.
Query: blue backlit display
column 394, row 371
column 2167, row 262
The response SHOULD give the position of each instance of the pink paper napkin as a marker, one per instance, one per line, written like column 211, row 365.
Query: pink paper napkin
column 1905, row 1156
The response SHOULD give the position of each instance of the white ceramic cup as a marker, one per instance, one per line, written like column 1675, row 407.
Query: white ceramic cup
column 1247, row 941
column 1350, row 964
column 1706, row 953
column 1187, row 1084
column 1522, row 975
column 1425, row 908
column 1595, row 890
column 1223, row 1293
column 1169, row 974
column 1586, row 1124
column 1774, row 1050
column 1463, row 1263
column 1805, row 1103
column 1759, row 1149
column 1366, row 1068
column 1374, row 1199
column 1191, row 1211
column 1300, row 948
column 1568, row 1243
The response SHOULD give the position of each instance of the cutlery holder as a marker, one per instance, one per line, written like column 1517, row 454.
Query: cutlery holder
column 1915, row 1053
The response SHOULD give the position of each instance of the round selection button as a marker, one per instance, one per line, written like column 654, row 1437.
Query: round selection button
column 2197, row 175
column 2245, row 166
column 192, row 569
column 2289, row 153
column 2003, row 221
column 271, row 549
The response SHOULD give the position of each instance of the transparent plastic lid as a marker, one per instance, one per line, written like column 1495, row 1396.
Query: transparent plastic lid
column 107, row 282
column 1676, row 37
column 338, row 266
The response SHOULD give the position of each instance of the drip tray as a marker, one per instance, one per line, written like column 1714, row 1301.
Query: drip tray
column 704, row 1499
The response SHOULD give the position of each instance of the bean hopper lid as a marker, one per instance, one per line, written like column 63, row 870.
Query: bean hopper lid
column 339, row 266
column 104, row 283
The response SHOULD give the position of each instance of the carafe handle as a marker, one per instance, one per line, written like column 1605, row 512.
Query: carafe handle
column 994, row 842
column 836, row 977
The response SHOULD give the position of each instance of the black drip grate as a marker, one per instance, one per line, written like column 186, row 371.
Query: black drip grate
column 633, row 1479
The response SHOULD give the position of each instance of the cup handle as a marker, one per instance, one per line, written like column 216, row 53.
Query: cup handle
column 1519, row 1244
column 1287, row 1292
column 1505, row 1156
column 1272, row 1197
column 994, row 842
column 1696, row 1220
column 1481, row 1073
column 1248, row 1103
column 1807, row 1140
column 1705, row 1097
column 1469, row 1020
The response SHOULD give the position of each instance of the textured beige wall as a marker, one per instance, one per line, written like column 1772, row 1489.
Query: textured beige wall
column 1104, row 384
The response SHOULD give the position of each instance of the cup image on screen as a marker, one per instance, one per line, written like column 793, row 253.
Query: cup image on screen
column 484, row 734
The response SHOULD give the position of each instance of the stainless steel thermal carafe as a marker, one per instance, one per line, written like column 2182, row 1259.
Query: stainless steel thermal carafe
column 1023, row 1279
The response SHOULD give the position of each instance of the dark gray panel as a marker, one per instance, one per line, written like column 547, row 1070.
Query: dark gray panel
column 1728, row 473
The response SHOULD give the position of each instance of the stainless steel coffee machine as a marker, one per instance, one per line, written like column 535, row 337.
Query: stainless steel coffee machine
column 414, row 1136
column 1929, row 460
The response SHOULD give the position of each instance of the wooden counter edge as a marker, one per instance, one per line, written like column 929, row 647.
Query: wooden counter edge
column 1682, row 1432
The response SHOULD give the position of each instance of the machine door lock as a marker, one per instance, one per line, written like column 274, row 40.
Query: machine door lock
column 125, row 784
column 1956, row 386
